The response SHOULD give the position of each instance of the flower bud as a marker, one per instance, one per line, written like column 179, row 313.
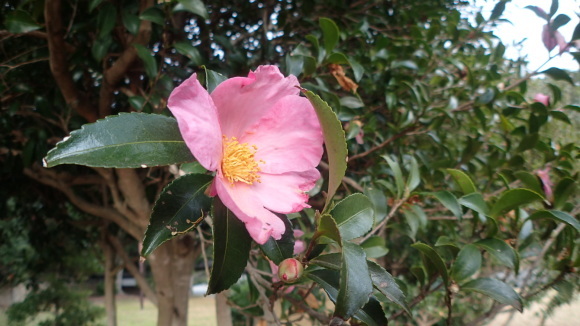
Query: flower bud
column 290, row 270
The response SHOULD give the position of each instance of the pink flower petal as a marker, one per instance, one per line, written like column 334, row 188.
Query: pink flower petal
column 285, row 193
column 198, row 122
column 241, row 200
column 242, row 101
column 288, row 136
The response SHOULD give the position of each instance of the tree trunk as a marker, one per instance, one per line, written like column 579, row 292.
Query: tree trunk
column 172, row 265
column 110, row 271
column 223, row 310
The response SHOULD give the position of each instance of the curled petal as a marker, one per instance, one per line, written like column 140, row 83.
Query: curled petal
column 198, row 122
column 285, row 193
column 260, row 222
column 288, row 136
column 242, row 101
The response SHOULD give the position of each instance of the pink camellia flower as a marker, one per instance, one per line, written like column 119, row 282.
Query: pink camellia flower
column 542, row 98
column 260, row 137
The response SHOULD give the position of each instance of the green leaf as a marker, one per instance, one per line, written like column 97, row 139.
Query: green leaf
column 379, row 200
column 137, row 102
column 94, row 4
column 434, row 257
column 131, row 22
column 337, row 58
column 558, row 74
column 106, row 19
column 148, row 60
column 501, row 251
column 414, row 177
column 475, row 202
column 194, row 6
column 467, row 263
column 328, row 228
column 335, row 142
column 559, row 21
column 355, row 282
column 557, row 216
column 330, row 33
column 213, row 79
column 375, row 247
column 181, row 206
column 553, row 8
column 563, row 190
column 449, row 201
column 386, row 284
column 398, row 174
column 538, row 11
column 294, row 64
column 354, row 216
column 231, row 248
column 131, row 140
column 189, row 51
column 514, row 198
column 372, row 313
column 497, row 10
column 331, row 261
column 100, row 47
column 20, row 21
column 329, row 281
column 153, row 14
column 278, row 250
column 529, row 180
column 495, row 289
column 463, row 180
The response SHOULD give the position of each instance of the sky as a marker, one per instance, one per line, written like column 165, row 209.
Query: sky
column 526, row 25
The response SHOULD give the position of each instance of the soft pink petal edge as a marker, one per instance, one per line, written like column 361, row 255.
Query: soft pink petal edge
column 198, row 122
column 260, row 222
column 241, row 101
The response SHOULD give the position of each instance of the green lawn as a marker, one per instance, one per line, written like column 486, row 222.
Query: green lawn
column 129, row 313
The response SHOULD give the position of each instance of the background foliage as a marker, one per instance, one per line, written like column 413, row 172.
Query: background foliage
column 471, row 185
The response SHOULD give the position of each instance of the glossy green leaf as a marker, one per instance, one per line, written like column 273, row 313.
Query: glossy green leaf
column 553, row 7
column 414, row 176
column 467, row 263
column 514, row 198
column 20, row 21
column 495, row 289
column 557, row 216
column 501, row 251
column 94, row 4
column 335, row 142
column 375, row 247
column 100, row 47
column 231, row 248
column 398, row 174
column 434, row 258
column 355, row 282
column 530, row 181
column 181, row 206
column 379, row 200
column 131, row 140
column 354, row 216
column 137, row 102
column 449, row 201
column 337, row 58
column 278, row 250
column 331, row 261
column 106, row 19
column 213, row 79
column 131, row 22
column 564, row 189
column 475, row 202
column 385, row 283
column 194, row 6
column 372, row 313
column 330, row 33
column 189, row 51
column 329, row 281
column 463, row 180
column 153, row 14
column 558, row 74
column 328, row 228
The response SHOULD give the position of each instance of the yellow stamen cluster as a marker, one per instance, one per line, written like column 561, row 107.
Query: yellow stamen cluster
column 239, row 164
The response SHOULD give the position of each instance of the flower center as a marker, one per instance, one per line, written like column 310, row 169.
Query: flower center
column 239, row 163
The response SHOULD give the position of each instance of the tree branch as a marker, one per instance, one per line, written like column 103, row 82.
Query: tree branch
column 59, row 62
column 127, row 262
column 54, row 180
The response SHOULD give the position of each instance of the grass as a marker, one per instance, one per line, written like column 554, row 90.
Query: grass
column 129, row 313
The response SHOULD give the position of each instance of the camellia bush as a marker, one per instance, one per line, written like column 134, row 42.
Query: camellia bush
column 381, row 163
